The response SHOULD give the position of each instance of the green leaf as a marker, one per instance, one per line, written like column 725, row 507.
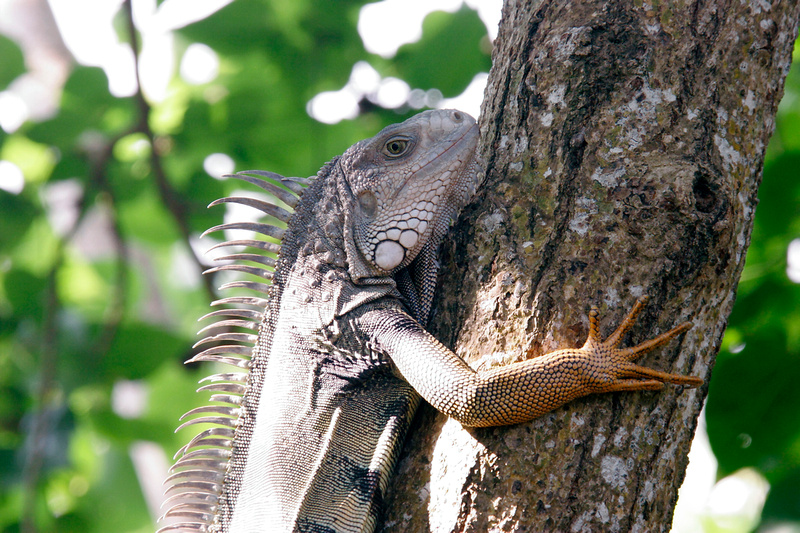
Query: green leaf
column 18, row 214
column 750, row 397
column 36, row 161
column 138, row 349
column 13, row 62
column 783, row 500
column 449, row 54
column 37, row 249
column 144, row 216
column 779, row 195
column 114, row 502
column 89, row 114
column 26, row 293
column 172, row 393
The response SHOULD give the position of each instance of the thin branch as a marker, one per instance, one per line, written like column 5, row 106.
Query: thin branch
column 171, row 199
column 46, row 398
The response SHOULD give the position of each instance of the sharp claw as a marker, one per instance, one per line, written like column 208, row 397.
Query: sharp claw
column 629, row 376
column 594, row 328
column 615, row 338
column 637, row 351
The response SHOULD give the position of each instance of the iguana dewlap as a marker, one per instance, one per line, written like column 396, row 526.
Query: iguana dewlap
column 334, row 359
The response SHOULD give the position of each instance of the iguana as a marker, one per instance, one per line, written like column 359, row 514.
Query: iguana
column 336, row 357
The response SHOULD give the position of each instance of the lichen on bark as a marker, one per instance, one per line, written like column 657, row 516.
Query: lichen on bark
column 625, row 143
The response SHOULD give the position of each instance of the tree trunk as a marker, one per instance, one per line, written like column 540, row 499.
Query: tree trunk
column 625, row 144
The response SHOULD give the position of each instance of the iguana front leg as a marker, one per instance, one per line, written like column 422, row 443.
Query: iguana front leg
column 520, row 391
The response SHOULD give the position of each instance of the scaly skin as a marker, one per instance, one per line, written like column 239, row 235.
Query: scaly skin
column 521, row 391
column 310, row 433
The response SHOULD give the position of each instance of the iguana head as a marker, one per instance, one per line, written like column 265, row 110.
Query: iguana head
column 403, row 186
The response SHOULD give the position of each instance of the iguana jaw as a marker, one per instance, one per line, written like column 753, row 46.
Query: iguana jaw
column 397, row 211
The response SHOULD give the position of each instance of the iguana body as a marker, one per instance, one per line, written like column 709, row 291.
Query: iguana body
column 309, row 436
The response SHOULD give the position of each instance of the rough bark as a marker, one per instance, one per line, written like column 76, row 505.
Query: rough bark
column 625, row 144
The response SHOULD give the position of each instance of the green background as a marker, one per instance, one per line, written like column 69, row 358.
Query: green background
column 74, row 324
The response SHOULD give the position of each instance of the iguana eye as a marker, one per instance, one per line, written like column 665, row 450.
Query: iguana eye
column 396, row 147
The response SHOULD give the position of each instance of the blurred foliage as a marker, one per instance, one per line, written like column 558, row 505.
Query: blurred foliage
column 99, row 289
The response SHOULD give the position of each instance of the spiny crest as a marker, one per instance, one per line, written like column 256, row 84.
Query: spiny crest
column 196, row 479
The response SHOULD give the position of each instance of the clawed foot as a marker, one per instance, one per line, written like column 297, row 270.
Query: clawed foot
column 616, row 371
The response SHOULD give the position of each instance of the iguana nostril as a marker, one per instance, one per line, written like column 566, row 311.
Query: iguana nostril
column 457, row 116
